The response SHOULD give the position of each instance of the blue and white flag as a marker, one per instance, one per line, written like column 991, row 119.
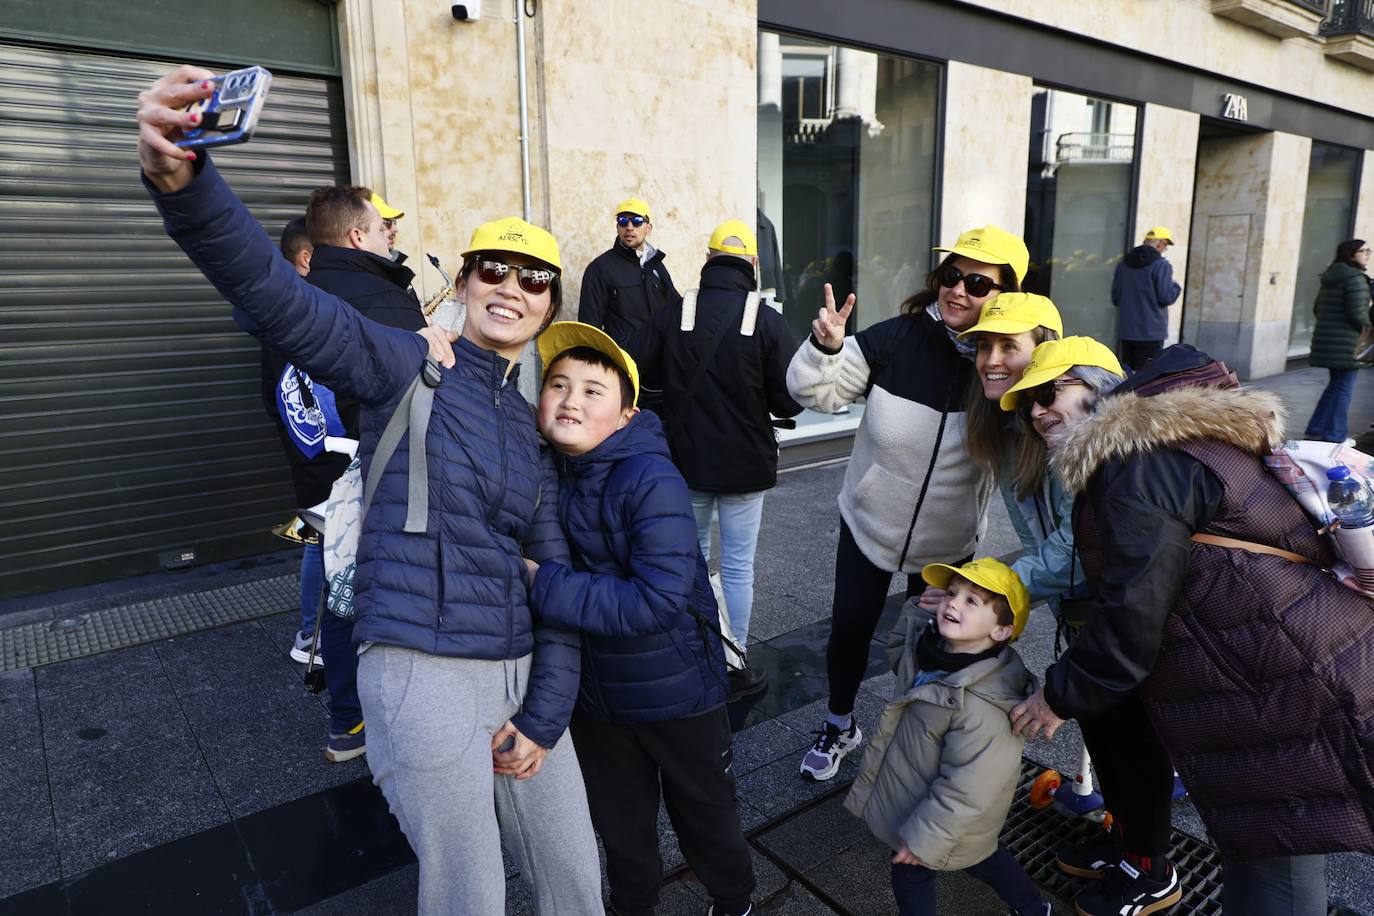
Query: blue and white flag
column 308, row 410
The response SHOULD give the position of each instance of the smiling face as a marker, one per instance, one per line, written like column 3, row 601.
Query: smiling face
column 968, row 618
column 1001, row 359
column 502, row 316
column 959, row 310
column 1072, row 404
column 580, row 405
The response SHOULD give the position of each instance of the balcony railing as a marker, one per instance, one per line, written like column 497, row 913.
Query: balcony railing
column 1316, row 6
column 1094, row 147
column 1350, row 17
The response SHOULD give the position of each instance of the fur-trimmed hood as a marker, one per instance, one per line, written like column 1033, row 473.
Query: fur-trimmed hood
column 1127, row 424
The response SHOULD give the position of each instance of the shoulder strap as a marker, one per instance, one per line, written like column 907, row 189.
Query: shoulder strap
column 706, row 356
column 412, row 411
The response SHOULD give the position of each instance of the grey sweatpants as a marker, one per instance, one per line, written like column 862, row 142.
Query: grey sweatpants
column 430, row 721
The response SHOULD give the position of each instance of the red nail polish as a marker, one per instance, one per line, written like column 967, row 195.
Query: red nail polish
column 191, row 157
column 195, row 117
column 205, row 84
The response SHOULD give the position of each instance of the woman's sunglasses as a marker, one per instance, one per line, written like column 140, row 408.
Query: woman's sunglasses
column 1045, row 394
column 533, row 280
column 976, row 285
column 636, row 221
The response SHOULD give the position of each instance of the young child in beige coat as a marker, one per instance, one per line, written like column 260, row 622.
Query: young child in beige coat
column 938, row 778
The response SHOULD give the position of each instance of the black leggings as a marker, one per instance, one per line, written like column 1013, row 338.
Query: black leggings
column 1134, row 775
column 860, row 593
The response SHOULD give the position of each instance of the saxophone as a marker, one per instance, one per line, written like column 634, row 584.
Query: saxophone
column 433, row 303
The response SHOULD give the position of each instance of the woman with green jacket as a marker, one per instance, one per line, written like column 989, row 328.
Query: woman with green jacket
column 1342, row 311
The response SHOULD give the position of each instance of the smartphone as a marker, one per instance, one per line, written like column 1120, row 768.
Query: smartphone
column 230, row 115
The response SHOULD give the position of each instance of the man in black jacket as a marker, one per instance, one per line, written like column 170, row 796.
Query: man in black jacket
column 626, row 285
column 723, row 360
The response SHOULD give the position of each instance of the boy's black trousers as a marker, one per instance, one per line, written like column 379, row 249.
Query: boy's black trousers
column 623, row 766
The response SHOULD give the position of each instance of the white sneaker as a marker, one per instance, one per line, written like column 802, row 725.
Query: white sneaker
column 300, row 649
column 823, row 760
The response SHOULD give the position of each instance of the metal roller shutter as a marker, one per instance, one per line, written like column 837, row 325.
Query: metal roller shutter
column 132, row 421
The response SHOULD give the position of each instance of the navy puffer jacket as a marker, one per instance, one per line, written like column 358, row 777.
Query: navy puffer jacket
column 458, row 589
column 636, row 569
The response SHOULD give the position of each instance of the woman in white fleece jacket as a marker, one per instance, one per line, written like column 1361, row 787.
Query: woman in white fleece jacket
column 911, row 495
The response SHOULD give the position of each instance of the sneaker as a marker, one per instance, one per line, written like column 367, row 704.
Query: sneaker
column 352, row 743
column 712, row 911
column 1043, row 910
column 746, row 681
column 1092, row 857
column 300, row 649
column 1124, row 891
column 823, row 760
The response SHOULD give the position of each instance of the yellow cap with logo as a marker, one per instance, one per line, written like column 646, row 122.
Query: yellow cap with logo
column 1160, row 233
column 633, row 205
column 562, row 336
column 515, row 236
column 738, row 229
column 1014, row 313
column 384, row 208
column 993, row 245
column 1055, row 357
column 991, row 574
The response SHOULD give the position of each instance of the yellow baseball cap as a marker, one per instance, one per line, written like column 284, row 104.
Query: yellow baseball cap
column 993, row 245
column 1055, row 357
column 991, row 574
column 633, row 205
column 516, row 236
column 738, row 229
column 1161, row 233
column 1013, row 313
column 562, row 336
column 384, row 208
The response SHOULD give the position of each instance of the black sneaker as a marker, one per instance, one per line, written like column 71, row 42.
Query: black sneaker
column 746, row 681
column 1091, row 858
column 1124, row 891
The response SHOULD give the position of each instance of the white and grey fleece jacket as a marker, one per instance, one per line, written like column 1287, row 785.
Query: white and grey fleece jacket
column 911, row 494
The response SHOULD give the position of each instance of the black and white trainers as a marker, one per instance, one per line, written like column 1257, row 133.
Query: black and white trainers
column 1092, row 857
column 1124, row 891
column 823, row 760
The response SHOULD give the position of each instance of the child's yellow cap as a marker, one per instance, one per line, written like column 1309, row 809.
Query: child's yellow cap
column 565, row 335
column 993, row 575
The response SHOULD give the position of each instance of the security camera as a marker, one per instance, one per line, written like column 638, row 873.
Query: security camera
column 470, row 11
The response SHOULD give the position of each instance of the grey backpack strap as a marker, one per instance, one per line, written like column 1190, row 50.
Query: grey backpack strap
column 412, row 410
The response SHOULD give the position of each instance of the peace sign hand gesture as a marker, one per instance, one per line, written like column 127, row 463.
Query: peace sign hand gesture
column 829, row 324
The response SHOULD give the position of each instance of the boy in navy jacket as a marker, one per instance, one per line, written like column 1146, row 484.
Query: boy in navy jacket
column 651, row 705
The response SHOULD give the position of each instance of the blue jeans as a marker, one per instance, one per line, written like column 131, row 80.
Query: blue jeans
column 740, row 517
column 1283, row 886
column 914, row 885
column 340, row 672
column 312, row 585
column 1329, row 420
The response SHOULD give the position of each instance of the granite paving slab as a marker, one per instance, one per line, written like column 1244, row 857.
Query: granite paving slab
column 28, row 842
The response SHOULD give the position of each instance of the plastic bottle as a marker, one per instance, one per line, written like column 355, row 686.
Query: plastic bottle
column 1350, row 499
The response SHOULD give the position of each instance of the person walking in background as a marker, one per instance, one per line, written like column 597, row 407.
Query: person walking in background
column 1343, row 311
column 723, row 359
column 1143, row 288
column 627, row 284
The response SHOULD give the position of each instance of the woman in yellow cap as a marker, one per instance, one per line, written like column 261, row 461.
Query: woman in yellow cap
column 465, row 699
column 911, row 496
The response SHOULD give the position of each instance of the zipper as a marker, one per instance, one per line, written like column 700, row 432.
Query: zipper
column 500, row 496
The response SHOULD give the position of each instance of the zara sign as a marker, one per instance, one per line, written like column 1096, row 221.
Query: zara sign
column 1235, row 108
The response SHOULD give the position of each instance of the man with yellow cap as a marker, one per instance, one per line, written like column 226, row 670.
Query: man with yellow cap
column 390, row 218
column 723, row 363
column 1143, row 288
column 627, row 284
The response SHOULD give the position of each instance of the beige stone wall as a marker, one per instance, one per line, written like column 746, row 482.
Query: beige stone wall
column 1164, row 193
column 1364, row 207
column 984, row 181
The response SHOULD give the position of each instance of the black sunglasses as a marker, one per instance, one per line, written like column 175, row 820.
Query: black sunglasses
column 533, row 280
column 976, row 285
column 636, row 221
column 1046, row 393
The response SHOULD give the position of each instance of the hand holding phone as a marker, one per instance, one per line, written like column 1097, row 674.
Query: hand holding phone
column 230, row 114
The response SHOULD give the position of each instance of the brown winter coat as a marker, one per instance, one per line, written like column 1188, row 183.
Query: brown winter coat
column 941, row 770
column 1262, row 680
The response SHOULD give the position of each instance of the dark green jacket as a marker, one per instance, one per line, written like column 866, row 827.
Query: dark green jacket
column 1342, row 311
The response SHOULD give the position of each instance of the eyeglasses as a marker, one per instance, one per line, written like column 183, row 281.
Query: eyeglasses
column 636, row 221
column 533, row 280
column 1045, row 394
column 388, row 224
column 1364, row 250
column 976, row 285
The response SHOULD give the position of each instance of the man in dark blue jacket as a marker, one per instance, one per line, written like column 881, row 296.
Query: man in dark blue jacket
column 1143, row 288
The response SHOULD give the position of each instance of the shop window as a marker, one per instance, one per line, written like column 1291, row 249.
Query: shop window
column 1078, row 201
column 846, row 182
column 1326, row 221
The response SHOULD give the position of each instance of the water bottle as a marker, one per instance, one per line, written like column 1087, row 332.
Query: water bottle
column 1350, row 499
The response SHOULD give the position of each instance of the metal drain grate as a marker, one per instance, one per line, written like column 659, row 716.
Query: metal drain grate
column 1034, row 836
column 47, row 641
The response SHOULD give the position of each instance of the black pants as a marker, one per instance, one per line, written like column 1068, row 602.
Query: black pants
column 914, row 885
column 860, row 593
column 1135, row 776
column 622, row 766
column 1137, row 353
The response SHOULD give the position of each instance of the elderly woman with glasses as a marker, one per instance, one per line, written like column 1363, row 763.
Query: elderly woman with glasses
column 465, row 696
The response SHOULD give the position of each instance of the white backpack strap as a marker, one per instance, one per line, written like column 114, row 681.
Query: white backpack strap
column 689, row 310
column 751, row 314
